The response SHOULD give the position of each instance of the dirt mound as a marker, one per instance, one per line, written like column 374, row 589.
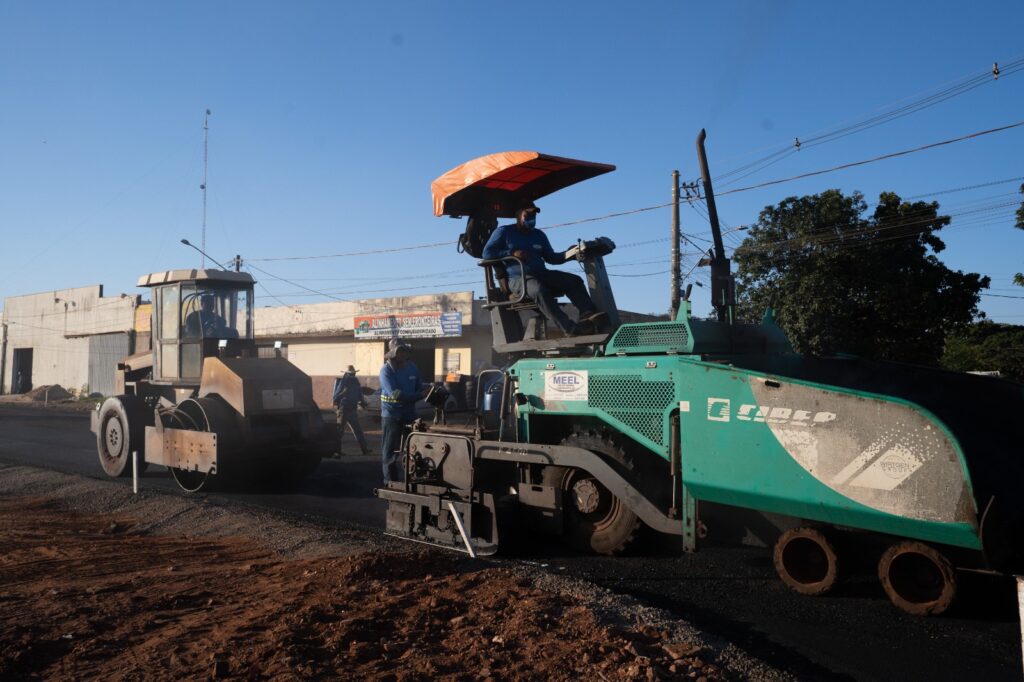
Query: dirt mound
column 49, row 393
column 85, row 596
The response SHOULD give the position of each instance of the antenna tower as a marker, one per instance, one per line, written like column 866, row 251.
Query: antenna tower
column 206, row 130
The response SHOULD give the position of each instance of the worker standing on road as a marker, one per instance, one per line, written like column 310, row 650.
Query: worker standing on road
column 400, row 387
column 347, row 398
column 531, row 246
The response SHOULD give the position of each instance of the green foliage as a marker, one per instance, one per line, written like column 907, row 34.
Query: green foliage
column 843, row 282
column 1020, row 213
column 1018, row 279
column 987, row 346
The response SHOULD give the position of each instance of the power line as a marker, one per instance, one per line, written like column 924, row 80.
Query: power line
column 824, row 238
column 607, row 216
column 1002, row 296
column 883, row 157
column 432, row 245
column 349, row 254
column 966, row 188
column 959, row 87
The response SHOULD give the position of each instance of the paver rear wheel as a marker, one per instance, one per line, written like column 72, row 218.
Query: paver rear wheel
column 121, row 430
column 806, row 561
column 917, row 578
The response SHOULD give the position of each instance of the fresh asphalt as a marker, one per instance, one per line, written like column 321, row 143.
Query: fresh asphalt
column 854, row 634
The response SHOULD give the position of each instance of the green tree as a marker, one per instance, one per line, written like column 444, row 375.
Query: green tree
column 1018, row 279
column 841, row 281
column 987, row 346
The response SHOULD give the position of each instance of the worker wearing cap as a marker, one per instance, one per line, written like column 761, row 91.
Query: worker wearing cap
column 400, row 387
column 531, row 246
column 347, row 398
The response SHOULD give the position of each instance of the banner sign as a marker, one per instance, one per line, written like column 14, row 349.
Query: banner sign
column 407, row 326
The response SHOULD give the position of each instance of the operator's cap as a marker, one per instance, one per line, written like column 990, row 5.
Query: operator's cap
column 527, row 204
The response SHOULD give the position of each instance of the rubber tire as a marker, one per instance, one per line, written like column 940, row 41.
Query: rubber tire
column 127, row 410
column 610, row 531
column 896, row 587
column 802, row 540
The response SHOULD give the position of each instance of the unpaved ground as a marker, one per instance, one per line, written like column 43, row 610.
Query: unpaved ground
column 94, row 588
column 58, row 400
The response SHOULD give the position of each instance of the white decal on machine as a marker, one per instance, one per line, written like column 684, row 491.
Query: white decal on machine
column 883, row 465
column 566, row 385
column 881, row 454
column 720, row 410
column 801, row 444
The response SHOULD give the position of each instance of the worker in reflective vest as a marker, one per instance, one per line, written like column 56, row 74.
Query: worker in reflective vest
column 400, row 387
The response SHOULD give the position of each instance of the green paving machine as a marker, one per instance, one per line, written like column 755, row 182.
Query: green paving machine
column 601, row 439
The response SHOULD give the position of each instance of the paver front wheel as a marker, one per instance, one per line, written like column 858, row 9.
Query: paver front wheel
column 595, row 520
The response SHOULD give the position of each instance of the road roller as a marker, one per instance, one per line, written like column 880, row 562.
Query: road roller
column 201, row 401
column 686, row 425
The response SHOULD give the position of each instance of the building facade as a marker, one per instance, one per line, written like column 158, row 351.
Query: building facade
column 71, row 337
column 74, row 337
column 450, row 333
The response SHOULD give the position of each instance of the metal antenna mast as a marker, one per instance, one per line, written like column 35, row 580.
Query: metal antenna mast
column 206, row 129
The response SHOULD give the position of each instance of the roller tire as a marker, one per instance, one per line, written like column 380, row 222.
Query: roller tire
column 121, row 430
column 611, row 528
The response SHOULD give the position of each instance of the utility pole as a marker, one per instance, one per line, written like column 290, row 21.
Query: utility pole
column 673, row 309
column 238, row 263
column 206, row 130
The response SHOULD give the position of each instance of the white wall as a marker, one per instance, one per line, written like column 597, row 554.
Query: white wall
column 330, row 357
column 56, row 326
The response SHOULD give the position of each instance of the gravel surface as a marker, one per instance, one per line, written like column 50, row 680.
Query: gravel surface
column 187, row 586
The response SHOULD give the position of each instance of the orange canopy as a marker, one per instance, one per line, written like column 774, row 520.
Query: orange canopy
column 496, row 183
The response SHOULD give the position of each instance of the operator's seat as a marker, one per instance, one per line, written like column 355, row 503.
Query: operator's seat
column 501, row 296
column 505, row 305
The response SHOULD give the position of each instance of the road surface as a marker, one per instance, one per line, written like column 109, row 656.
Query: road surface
column 731, row 591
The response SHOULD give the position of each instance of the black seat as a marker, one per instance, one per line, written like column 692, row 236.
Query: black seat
column 499, row 293
column 509, row 304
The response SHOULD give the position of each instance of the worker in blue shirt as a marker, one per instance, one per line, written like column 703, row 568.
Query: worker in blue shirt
column 400, row 387
column 524, row 241
column 348, row 396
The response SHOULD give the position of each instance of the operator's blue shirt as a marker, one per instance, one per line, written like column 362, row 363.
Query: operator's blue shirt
column 399, row 390
column 508, row 238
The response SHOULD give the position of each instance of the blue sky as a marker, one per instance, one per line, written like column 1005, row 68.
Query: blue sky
column 330, row 119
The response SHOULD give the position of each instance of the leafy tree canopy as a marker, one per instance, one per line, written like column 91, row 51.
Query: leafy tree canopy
column 987, row 346
column 1019, row 277
column 842, row 281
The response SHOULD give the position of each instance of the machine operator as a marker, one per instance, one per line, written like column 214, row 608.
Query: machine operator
column 531, row 246
column 206, row 322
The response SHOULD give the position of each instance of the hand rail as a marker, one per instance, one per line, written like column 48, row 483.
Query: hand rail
column 488, row 266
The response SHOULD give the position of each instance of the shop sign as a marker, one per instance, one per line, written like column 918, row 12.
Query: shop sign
column 408, row 326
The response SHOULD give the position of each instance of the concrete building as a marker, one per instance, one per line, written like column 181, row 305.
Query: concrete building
column 75, row 337
column 449, row 333
column 71, row 337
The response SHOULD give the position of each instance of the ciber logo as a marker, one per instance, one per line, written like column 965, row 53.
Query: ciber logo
column 566, row 382
column 720, row 410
